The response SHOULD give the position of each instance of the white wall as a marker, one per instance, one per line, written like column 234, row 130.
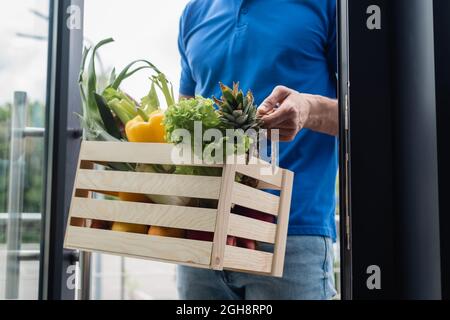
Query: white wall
column 142, row 29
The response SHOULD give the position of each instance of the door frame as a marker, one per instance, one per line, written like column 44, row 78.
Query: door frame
column 388, row 168
column 442, row 52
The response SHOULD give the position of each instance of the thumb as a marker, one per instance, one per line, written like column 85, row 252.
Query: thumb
column 273, row 100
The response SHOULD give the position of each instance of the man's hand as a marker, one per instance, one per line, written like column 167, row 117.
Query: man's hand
column 290, row 111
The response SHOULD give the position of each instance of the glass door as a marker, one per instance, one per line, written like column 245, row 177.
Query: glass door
column 23, row 83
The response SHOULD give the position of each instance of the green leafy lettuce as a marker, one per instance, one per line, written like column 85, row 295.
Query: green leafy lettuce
column 185, row 113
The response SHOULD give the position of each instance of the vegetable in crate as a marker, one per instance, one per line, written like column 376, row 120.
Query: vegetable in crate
column 147, row 125
column 183, row 115
column 146, row 128
column 166, row 232
column 208, row 236
column 112, row 115
column 143, row 122
column 238, row 111
column 134, row 197
column 235, row 111
column 104, row 111
column 130, row 227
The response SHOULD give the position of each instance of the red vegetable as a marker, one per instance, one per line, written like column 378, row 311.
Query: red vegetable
column 207, row 236
column 251, row 213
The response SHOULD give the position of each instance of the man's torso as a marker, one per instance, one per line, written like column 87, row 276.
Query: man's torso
column 261, row 44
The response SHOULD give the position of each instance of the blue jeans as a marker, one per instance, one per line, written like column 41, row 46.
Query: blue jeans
column 308, row 275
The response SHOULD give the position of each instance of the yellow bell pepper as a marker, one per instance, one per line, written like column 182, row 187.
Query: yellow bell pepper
column 129, row 227
column 151, row 129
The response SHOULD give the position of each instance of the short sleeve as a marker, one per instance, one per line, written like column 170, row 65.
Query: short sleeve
column 187, row 83
column 332, row 42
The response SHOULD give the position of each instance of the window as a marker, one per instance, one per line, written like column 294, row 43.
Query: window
column 23, row 77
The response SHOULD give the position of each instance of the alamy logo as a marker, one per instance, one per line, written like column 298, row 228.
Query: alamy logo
column 235, row 147
column 374, row 19
column 73, row 279
column 374, row 280
column 74, row 19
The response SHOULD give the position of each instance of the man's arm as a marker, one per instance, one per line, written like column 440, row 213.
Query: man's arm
column 290, row 111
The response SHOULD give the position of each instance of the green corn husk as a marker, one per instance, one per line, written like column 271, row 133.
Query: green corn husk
column 92, row 109
column 125, row 73
column 107, row 117
column 118, row 107
column 150, row 102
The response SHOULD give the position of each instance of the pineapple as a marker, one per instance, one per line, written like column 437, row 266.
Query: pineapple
column 237, row 111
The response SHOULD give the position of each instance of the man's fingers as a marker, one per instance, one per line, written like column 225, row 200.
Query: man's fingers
column 274, row 119
column 266, row 106
column 276, row 97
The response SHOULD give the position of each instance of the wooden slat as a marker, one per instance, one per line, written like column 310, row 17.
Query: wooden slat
column 223, row 214
column 154, row 153
column 190, row 218
column 135, row 256
column 171, row 249
column 241, row 259
column 149, row 183
column 248, row 228
column 263, row 171
column 255, row 199
column 282, row 224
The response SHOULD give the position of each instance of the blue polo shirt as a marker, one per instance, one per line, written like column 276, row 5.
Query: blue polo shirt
column 261, row 44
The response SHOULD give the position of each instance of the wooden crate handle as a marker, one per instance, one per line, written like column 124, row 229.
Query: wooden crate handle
column 223, row 215
column 282, row 224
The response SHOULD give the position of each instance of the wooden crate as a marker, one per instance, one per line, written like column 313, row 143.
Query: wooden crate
column 215, row 255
